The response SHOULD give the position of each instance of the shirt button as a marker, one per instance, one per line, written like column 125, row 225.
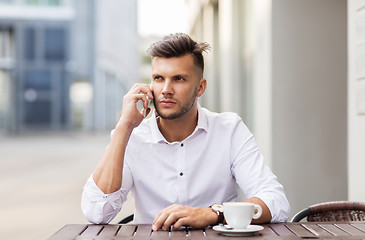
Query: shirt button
column 182, row 144
column 181, row 174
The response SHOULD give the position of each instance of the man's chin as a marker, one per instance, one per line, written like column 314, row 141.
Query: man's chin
column 168, row 114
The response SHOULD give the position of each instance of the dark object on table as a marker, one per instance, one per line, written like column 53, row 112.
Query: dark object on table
column 127, row 219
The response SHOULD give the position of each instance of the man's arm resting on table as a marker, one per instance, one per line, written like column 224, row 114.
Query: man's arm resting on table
column 178, row 215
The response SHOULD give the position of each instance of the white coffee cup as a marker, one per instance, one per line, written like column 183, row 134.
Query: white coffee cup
column 239, row 215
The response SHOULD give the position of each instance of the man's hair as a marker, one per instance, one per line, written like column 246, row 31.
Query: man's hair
column 178, row 45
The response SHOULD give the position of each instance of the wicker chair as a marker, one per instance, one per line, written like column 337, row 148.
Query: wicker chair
column 332, row 212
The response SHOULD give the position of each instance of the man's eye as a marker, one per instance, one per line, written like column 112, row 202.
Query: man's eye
column 179, row 78
column 157, row 78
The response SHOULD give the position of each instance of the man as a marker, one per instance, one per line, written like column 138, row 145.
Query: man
column 184, row 158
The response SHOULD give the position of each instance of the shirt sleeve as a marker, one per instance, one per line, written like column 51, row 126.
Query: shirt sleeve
column 101, row 208
column 254, row 177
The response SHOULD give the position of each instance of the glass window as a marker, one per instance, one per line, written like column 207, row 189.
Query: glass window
column 38, row 112
column 29, row 44
column 55, row 44
column 37, row 79
column 65, row 97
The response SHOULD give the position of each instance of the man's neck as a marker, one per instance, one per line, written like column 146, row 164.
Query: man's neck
column 176, row 130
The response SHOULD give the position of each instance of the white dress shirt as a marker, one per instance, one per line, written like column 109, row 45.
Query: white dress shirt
column 203, row 169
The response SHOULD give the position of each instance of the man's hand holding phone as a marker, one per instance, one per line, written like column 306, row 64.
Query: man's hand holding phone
column 130, row 115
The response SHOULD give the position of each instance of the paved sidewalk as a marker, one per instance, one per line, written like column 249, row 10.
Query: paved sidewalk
column 41, row 180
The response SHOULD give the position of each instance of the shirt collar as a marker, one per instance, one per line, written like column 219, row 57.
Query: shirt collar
column 157, row 135
column 202, row 119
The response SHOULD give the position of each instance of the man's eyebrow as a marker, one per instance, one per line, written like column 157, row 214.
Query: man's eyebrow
column 174, row 76
column 181, row 75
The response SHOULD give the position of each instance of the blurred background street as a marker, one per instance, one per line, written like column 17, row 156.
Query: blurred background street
column 41, row 180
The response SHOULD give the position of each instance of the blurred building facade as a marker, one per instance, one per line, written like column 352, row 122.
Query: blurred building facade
column 117, row 58
column 65, row 64
column 282, row 65
column 146, row 60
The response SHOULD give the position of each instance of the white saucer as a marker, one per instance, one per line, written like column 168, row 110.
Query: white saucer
column 250, row 230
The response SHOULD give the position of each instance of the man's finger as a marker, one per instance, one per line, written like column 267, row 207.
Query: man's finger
column 162, row 215
column 173, row 218
column 140, row 96
column 181, row 222
column 139, row 88
column 157, row 218
column 158, row 223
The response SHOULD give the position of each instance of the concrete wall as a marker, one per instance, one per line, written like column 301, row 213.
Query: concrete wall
column 309, row 99
column 356, row 99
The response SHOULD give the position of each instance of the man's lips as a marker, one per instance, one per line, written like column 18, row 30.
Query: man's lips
column 167, row 102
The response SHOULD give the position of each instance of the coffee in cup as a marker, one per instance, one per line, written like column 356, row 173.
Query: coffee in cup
column 239, row 215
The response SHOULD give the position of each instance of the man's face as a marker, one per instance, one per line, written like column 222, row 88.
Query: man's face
column 176, row 83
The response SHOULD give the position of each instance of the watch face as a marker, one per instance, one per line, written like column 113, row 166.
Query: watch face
column 217, row 207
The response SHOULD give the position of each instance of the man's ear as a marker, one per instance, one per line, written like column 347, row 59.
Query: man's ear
column 202, row 87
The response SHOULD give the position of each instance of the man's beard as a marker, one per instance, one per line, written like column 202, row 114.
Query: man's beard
column 181, row 112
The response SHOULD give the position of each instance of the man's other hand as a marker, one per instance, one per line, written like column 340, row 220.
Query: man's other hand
column 177, row 215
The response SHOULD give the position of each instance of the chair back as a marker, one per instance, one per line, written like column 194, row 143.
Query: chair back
column 333, row 212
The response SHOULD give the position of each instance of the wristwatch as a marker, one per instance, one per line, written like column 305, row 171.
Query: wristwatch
column 218, row 209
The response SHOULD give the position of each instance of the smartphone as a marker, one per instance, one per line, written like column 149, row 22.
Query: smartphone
column 151, row 104
column 140, row 106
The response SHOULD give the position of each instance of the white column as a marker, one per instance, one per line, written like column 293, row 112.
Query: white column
column 209, row 71
column 262, row 77
column 356, row 99
column 225, row 47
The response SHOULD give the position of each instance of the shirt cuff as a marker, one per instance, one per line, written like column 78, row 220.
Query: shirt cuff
column 91, row 186
column 97, row 206
column 279, row 208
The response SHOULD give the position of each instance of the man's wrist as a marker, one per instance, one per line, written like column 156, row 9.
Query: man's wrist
column 218, row 210
column 123, row 126
column 213, row 219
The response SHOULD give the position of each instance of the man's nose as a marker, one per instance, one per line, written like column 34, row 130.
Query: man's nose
column 167, row 88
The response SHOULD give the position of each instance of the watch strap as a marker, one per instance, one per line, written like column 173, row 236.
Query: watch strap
column 220, row 217
column 218, row 212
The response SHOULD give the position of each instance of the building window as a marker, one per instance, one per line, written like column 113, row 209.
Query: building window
column 29, row 44
column 37, row 79
column 55, row 44
column 38, row 112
